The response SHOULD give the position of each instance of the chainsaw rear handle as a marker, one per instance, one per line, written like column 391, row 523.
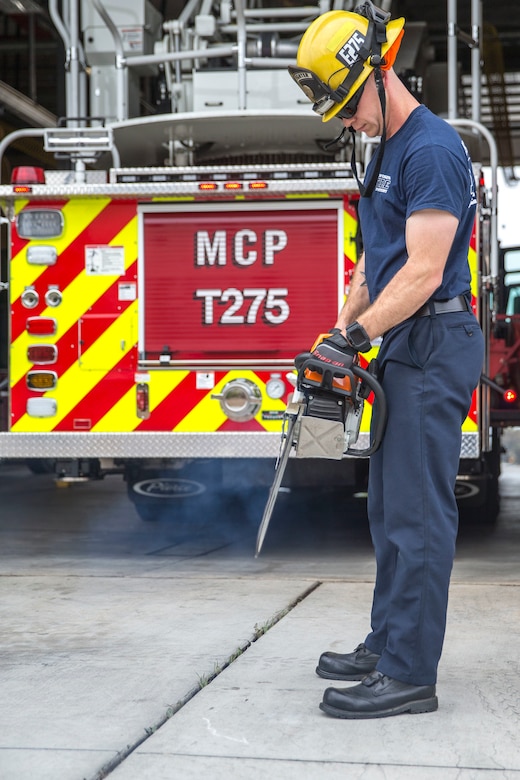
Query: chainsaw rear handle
column 379, row 424
column 368, row 379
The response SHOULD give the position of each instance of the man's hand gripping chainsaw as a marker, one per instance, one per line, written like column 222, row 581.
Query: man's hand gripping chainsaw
column 323, row 418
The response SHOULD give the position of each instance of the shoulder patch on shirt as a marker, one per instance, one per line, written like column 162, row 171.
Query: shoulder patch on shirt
column 383, row 183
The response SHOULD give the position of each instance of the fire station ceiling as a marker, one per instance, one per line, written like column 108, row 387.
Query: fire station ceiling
column 32, row 55
column 503, row 15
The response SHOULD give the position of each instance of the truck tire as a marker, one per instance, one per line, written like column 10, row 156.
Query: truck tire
column 164, row 497
column 479, row 497
column 479, row 502
column 41, row 465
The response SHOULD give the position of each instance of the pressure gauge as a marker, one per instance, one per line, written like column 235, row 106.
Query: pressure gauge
column 275, row 387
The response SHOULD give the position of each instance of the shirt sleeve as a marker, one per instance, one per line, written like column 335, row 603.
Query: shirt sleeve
column 435, row 178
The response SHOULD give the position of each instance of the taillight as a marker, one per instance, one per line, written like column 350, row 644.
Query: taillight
column 41, row 326
column 42, row 353
column 142, row 400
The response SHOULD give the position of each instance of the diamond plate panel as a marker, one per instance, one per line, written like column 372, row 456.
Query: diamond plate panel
column 139, row 445
column 163, row 445
column 470, row 445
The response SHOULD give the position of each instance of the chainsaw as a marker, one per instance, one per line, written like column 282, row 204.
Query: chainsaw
column 323, row 418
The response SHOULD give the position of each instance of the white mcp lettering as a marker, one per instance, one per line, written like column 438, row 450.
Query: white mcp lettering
column 212, row 250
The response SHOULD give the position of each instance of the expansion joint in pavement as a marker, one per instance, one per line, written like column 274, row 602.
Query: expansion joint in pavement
column 204, row 681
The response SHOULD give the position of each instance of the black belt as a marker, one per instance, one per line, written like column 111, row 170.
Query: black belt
column 459, row 303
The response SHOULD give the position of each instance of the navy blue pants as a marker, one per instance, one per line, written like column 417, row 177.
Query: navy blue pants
column 430, row 366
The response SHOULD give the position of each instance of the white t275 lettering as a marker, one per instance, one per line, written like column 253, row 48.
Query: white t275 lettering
column 243, row 307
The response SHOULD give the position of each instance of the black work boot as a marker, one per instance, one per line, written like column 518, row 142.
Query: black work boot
column 378, row 696
column 348, row 666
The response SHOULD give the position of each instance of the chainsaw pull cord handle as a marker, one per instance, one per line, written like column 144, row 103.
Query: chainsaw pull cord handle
column 380, row 418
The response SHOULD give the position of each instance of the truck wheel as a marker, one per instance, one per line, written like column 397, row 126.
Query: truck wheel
column 478, row 502
column 164, row 497
column 41, row 465
column 150, row 512
column 478, row 496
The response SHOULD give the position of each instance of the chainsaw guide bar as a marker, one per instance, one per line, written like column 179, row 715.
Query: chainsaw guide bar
column 322, row 420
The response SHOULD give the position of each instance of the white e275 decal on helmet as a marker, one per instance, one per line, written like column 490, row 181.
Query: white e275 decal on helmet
column 349, row 52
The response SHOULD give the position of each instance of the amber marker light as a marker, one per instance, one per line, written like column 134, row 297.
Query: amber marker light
column 42, row 380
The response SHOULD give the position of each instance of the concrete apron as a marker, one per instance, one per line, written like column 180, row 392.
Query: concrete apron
column 123, row 676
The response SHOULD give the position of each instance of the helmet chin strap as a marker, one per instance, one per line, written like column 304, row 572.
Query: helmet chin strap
column 367, row 188
column 336, row 140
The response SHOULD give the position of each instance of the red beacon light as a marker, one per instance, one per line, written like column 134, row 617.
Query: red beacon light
column 24, row 176
column 510, row 396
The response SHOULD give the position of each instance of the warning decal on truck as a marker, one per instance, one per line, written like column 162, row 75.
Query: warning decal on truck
column 108, row 260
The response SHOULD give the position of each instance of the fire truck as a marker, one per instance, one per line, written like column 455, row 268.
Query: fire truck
column 164, row 272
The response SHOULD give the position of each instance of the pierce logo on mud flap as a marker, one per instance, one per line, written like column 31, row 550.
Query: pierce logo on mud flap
column 168, row 487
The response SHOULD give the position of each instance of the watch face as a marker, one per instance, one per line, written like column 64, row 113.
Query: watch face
column 275, row 388
column 358, row 338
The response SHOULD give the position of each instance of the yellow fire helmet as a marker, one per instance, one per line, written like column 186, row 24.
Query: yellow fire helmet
column 339, row 51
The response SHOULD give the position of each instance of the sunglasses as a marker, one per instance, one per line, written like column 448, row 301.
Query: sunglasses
column 322, row 96
column 349, row 109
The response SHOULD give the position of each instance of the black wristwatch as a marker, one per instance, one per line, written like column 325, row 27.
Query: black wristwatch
column 357, row 337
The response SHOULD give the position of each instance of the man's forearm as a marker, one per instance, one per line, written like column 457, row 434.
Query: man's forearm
column 357, row 299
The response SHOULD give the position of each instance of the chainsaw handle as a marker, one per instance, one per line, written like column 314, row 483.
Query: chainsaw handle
column 380, row 420
column 327, row 372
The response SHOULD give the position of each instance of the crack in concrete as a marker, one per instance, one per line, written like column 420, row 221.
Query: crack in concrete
column 206, row 680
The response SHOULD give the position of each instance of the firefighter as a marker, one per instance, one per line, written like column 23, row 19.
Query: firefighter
column 412, row 288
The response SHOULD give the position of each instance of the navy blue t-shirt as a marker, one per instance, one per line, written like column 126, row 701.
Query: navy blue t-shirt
column 425, row 166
